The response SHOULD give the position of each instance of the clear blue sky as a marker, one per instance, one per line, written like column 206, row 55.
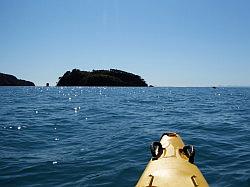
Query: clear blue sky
column 167, row 42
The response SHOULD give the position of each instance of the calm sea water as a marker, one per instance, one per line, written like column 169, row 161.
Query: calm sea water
column 80, row 136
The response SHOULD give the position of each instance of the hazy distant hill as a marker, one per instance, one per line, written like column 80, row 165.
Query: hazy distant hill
column 112, row 77
column 10, row 80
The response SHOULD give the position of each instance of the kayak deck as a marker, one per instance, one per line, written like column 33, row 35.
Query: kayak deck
column 172, row 165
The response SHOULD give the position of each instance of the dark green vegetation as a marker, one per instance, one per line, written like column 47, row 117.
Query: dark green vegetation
column 110, row 77
column 10, row 80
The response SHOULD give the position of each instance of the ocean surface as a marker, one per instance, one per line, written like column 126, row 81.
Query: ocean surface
column 85, row 136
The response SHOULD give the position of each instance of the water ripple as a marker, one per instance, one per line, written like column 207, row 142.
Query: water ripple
column 82, row 136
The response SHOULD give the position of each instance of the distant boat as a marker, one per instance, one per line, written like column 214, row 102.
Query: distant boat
column 214, row 87
column 47, row 84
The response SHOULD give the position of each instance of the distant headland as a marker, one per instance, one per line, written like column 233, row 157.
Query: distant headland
column 112, row 77
column 10, row 80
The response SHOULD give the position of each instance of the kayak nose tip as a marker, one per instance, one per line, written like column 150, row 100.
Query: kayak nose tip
column 169, row 134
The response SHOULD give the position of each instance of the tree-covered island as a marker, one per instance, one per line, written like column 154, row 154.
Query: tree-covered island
column 10, row 80
column 112, row 77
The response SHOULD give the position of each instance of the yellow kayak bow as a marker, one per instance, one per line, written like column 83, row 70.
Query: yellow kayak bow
column 172, row 164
